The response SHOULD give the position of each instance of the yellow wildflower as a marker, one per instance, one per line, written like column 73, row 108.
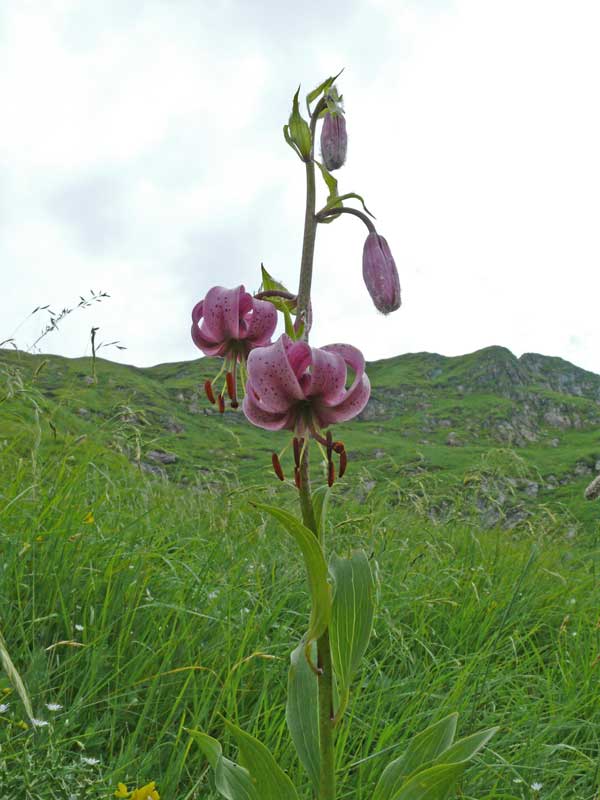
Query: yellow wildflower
column 147, row 792
column 89, row 518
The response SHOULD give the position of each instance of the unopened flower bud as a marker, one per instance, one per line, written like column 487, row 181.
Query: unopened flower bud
column 334, row 141
column 380, row 274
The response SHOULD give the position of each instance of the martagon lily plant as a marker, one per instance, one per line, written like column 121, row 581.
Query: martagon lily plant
column 290, row 385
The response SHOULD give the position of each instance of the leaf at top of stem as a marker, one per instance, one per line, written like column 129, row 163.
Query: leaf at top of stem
column 321, row 88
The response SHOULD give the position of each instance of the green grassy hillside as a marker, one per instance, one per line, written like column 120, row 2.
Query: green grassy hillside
column 486, row 435
column 139, row 598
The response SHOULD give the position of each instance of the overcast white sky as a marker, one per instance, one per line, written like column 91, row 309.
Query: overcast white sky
column 141, row 154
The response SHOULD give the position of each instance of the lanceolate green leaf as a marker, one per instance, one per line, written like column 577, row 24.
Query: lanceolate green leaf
column 431, row 784
column 465, row 749
column 270, row 780
column 302, row 713
column 351, row 617
column 431, row 764
column 316, row 570
column 320, row 500
column 421, row 750
column 323, row 87
column 331, row 182
column 232, row 781
column 337, row 201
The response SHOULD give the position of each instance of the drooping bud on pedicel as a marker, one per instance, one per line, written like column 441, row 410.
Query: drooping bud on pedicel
column 380, row 274
column 334, row 140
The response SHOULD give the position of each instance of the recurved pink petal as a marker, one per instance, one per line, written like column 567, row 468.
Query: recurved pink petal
column 206, row 343
column 272, row 379
column 327, row 377
column 352, row 404
column 261, row 322
column 221, row 313
column 299, row 355
column 352, row 357
column 265, row 419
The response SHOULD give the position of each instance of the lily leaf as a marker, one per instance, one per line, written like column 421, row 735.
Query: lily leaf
column 333, row 200
column 431, row 784
column 320, row 501
column 270, row 780
column 464, row 749
column 322, row 87
column 232, row 781
column 351, row 618
column 270, row 284
column 302, row 711
column 336, row 201
column 422, row 750
column 316, row 570
column 290, row 141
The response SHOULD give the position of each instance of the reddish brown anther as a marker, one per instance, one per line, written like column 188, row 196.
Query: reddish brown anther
column 209, row 392
column 338, row 447
column 343, row 463
column 296, row 452
column 330, row 473
column 329, row 445
column 277, row 466
column 230, row 385
column 297, row 478
column 221, row 404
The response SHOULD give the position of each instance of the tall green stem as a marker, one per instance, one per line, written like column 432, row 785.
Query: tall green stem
column 325, row 679
column 326, row 732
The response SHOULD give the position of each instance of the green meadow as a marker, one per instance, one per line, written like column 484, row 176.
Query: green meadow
column 141, row 594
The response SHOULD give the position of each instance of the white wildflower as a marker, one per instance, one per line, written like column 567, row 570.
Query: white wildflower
column 53, row 706
column 38, row 723
column 91, row 761
column 536, row 786
column 78, row 627
column 4, row 708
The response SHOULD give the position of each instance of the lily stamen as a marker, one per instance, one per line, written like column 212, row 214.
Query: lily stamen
column 277, row 467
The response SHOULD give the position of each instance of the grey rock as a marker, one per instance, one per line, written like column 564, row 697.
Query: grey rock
column 557, row 420
column 592, row 492
column 152, row 469
column 173, row 426
column 453, row 440
column 161, row 456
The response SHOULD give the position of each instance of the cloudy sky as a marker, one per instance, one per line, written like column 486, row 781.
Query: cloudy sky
column 141, row 154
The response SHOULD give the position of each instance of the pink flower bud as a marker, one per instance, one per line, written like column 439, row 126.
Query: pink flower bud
column 380, row 274
column 334, row 141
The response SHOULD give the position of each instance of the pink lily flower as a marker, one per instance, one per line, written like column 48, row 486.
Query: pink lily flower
column 296, row 387
column 230, row 323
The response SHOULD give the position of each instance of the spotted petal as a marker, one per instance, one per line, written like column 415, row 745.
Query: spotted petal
column 261, row 323
column 271, row 378
column 222, row 313
column 265, row 419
